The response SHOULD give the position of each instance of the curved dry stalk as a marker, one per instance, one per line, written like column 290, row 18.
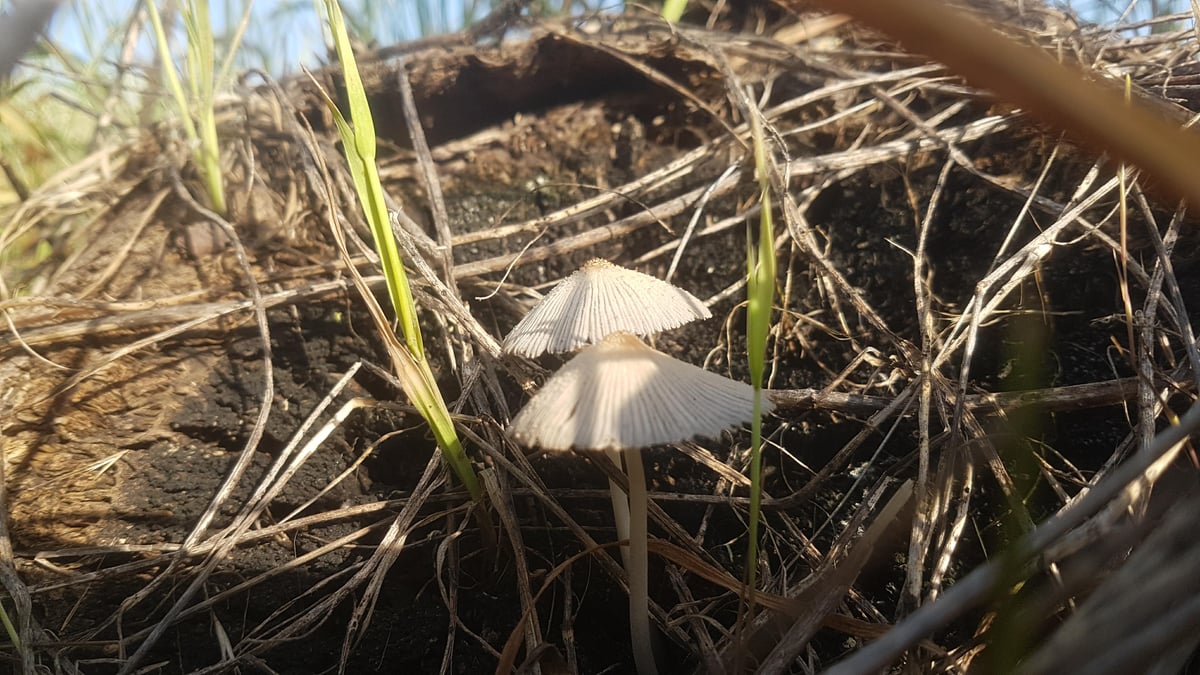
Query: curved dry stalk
column 500, row 497
column 244, row 457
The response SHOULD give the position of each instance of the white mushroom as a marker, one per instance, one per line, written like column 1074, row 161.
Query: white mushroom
column 620, row 394
column 601, row 298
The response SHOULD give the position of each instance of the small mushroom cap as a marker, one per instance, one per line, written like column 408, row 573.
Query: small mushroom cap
column 598, row 299
column 620, row 393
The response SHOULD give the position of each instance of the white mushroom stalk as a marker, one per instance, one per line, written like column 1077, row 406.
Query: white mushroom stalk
column 599, row 299
column 620, row 506
column 620, row 394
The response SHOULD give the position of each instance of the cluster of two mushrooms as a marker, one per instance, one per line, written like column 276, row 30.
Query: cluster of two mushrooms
column 619, row 395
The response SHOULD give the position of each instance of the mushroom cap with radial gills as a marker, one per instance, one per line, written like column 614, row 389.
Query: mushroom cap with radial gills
column 596, row 300
column 620, row 393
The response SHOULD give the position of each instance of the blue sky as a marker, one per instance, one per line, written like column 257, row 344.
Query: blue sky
column 281, row 34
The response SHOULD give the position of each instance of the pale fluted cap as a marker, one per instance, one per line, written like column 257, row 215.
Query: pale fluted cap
column 598, row 299
column 620, row 393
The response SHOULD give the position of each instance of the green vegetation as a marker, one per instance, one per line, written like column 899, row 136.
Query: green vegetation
column 358, row 140
column 673, row 10
column 760, row 294
column 199, row 99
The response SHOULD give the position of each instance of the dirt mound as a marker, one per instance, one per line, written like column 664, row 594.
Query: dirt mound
column 204, row 450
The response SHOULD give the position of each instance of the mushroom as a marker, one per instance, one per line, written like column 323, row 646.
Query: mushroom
column 621, row 395
column 595, row 301
column 598, row 299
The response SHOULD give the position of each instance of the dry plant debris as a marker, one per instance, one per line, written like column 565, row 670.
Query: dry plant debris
column 194, row 402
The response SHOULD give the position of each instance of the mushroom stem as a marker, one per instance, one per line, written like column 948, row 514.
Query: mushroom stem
column 636, row 567
column 620, row 507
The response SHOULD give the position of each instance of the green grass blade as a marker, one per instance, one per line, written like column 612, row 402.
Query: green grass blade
column 360, row 135
column 411, row 369
column 172, row 78
column 673, row 10
column 9, row 628
column 201, row 131
column 760, row 293
column 201, row 62
column 358, row 139
column 418, row 383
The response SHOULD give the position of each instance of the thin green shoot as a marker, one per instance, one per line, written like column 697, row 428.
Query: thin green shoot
column 673, row 10
column 172, row 78
column 760, row 293
column 358, row 139
column 202, row 131
column 9, row 628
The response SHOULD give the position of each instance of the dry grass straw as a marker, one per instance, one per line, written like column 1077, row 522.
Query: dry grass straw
column 881, row 109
